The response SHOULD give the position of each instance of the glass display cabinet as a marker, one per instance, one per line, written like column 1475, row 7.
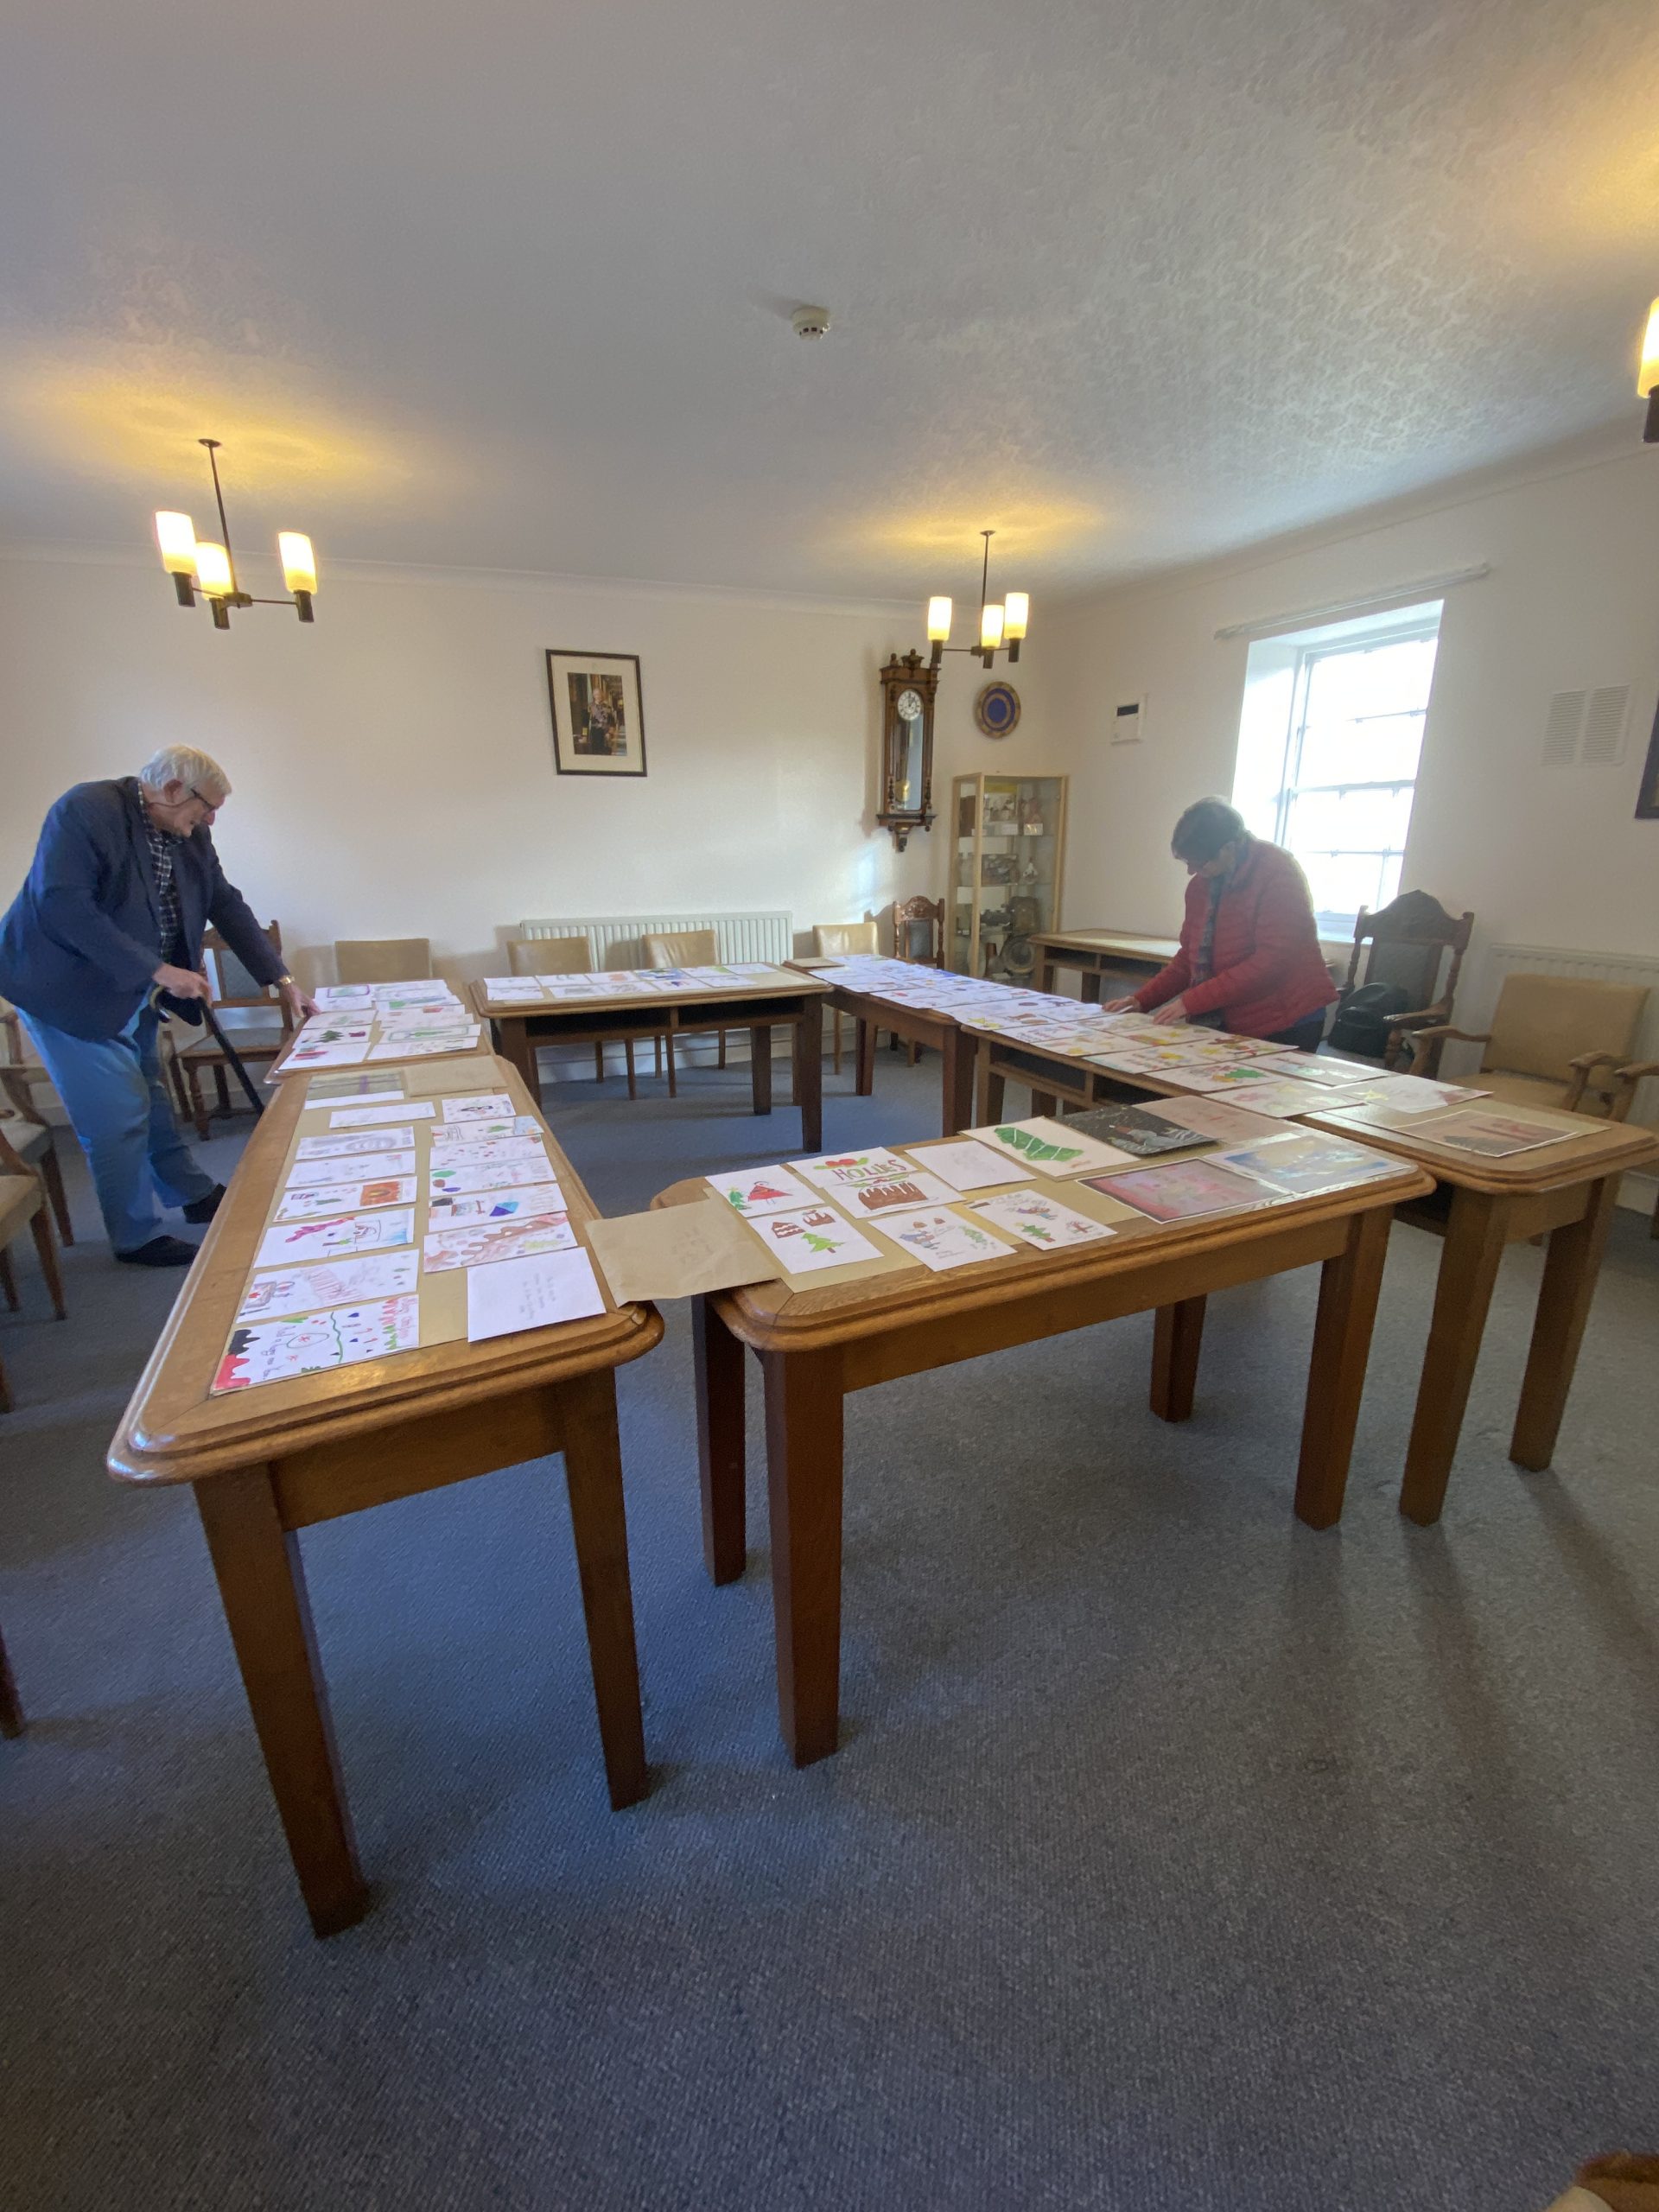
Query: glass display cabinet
column 1007, row 853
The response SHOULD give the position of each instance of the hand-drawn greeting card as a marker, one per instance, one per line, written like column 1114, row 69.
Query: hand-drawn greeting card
column 1040, row 1220
column 944, row 1240
column 345, row 1197
column 325, row 1056
column 304, row 1174
column 1493, row 1135
column 347, row 1282
column 452, row 1207
column 450, row 1137
column 487, row 1175
column 321, row 1030
column 276, row 1351
column 416, row 1048
column 813, row 1237
column 1135, row 1130
column 347, row 1146
column 478, row 1246
column 967, row 1165
column 1300, row 1167
column 844, row 1171
column 327, row 1239
column 479, row 1106
column 903, row 1191
column 753, row 1190
column 366, row 1117
column 479, row 1152
column 1184, row 1188
column 1050, row 1146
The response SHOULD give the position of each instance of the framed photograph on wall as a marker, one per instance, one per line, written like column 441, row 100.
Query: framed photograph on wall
column 598, row 725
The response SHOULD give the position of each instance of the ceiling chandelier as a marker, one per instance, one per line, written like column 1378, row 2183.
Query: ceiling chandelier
column 1001, row 623
column 198, row 565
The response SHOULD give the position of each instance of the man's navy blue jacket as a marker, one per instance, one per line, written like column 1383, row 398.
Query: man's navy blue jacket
column 83, row 937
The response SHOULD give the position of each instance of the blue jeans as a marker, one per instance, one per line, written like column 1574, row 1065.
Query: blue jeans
column 111, row 1090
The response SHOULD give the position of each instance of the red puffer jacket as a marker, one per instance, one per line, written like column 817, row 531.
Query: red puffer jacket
column 1266, row 974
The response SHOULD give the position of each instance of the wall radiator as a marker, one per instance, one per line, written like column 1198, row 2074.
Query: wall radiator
column 617, row 941
column 1642, row 969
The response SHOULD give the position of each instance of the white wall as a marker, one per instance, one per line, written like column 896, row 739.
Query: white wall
column 393, row 765
column 1544, row 856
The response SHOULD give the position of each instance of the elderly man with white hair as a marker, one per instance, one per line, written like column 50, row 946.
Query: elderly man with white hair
column 123, row 882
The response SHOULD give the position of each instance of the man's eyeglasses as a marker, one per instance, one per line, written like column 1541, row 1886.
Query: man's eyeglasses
column 212, row 805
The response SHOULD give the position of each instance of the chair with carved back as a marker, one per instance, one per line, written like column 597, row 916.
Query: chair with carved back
column 918, row 937
column 1563, row 1041
column 260, row 1025
column 23, row 1123
column 1415, row 945
column 1630, row 1079
column 840, row 941
column 683, row 948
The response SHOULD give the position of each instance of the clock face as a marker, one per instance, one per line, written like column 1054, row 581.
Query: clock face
column 910, row 705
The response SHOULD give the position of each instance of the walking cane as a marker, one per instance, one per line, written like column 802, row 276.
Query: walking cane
column 225, row 1046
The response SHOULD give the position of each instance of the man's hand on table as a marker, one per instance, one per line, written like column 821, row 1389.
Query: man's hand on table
column 299, row 1003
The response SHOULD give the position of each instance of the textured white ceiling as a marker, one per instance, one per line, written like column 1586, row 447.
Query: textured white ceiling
column 507, row 285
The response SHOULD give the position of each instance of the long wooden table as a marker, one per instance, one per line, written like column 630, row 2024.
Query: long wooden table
column 815, row 1345
column 1478, row 1207
column 930, row 1027
column 1097, row 953
column 793, row 1001
column 268, row 1462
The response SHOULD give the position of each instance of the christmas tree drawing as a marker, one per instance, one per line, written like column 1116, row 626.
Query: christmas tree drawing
column 817, row 1242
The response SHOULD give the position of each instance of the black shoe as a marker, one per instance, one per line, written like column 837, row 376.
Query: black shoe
column 205, row 1209
column 161, row 1252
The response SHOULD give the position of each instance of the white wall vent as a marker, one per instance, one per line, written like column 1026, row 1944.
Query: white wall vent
column 1129, row 721
column 1605, row 723
column 1587, row 726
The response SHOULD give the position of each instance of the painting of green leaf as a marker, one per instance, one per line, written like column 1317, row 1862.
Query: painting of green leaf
column 1036, row 1148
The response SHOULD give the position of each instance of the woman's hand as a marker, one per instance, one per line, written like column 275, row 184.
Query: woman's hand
column 1171, row 1010
column 1121, row 1005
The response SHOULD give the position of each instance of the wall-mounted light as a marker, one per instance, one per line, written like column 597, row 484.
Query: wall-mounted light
column 200, row 565
column 1647, row 377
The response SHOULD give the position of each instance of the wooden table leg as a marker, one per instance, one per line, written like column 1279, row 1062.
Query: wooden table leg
column 958, row 1054
column 1571, row 1267
column 1336, row 1376
column 593, row 1474
column 863, row 1057
column 717, row 1359
column 11, row 1706
column 1091, row 986
column 512, row 1040
column 804, row 1461
column 41, row 1228
column 990, row 1092
column 761, row 1066
column 1177, row 1333
column 262, row 1587
column 1476, row 1229
column 809, row 1077
column 1045, row 976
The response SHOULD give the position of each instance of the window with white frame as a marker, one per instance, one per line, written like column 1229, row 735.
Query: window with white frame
column 1328, row 746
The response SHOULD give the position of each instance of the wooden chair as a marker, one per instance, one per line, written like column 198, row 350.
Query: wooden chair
column 1555, row 1040
column 22, row 1201
column 195, row 1053
column 11, row 1709
column 836, row 940
column 1629, row 1079
column 27, row 1133
column 554, row 956
column 918, row 937
column 683, row 948
column 383, row 960
column 1415, row 944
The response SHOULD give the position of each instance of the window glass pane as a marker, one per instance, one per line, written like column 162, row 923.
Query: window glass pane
column 1343, row 882
column 1362, row 821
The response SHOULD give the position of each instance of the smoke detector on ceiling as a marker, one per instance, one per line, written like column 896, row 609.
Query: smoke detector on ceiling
column 810, row 322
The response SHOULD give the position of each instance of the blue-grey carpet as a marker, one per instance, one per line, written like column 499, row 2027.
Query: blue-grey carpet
column 1176, row 1856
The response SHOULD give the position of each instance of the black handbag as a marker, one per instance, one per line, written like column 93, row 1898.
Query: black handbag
column 1365, row 1019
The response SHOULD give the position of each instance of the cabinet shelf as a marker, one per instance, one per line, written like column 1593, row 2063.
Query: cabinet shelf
column 1015, row 823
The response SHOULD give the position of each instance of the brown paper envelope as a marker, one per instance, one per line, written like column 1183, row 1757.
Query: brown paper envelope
column 678, row 1251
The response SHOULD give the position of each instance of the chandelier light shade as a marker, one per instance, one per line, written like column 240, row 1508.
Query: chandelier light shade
column 201, row 565
column 1647, row 377
column 1002, row 623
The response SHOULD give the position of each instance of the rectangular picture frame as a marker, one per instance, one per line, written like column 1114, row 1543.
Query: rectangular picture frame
column 598, row 718
column 1647, row 796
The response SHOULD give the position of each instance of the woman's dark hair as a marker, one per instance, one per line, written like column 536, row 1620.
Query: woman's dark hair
column 1207, row 825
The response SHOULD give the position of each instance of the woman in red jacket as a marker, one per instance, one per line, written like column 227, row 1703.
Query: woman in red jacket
column 1249, row 958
